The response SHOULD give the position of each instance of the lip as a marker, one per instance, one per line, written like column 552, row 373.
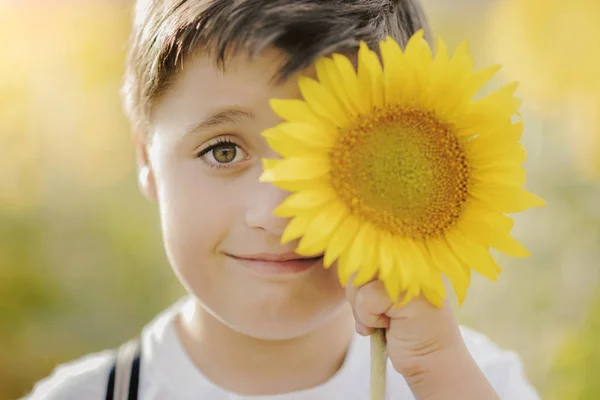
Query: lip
column 277, row 264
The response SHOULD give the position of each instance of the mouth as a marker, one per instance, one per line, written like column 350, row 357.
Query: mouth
column 285, row 264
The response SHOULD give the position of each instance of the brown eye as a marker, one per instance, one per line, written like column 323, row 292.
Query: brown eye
column 224, row 153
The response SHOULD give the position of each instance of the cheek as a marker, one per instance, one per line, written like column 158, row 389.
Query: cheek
column 197, row 212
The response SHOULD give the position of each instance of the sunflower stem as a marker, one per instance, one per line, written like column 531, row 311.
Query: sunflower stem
column 378, row 364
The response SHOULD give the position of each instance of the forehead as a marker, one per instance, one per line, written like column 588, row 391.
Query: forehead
column 201, row 86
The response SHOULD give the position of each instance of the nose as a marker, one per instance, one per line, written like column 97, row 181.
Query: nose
column 259, row 211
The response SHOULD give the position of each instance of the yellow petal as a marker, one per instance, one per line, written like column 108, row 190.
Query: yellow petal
column 474, row 255
column 393, row 71
column 343, row 265
column 500, row 103
column 478, row 230
column 493, row 219
column 376, row 79
column 505, row 199
column 433, row 287
column 323, row 74
column 402, row 265
column 461, row 59
column 369, row 269
column 386, row 254
column 414, row 289
column 446, row 262
column 442, row 57
column 417, row 49
column 354, row 257
column 308, row 134
column 501, row 135
column 438, row 81
column 389, row 270
column 418, row 54
column 366, row 70
column 292, row 148
column 297, row 227
column 478, row 79
column 412, row 257
column 294, row 110
column 515, row 176
column 295, row 169
column 346, row 72
column 346, row 266
column 322, row 101
column 329, row 76
column 268, row 163
column 319, row 233
column 448, row 77
column 510, row 155
column 454, row 78
column 304, row 200
column 297, row 186
column 500, row 99
column 435, row 291
column 461, row 294
column 392, row 286
column 341, row 240
column 502, row 138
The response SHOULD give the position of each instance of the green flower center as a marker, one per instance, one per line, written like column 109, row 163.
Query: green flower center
column 402, row 170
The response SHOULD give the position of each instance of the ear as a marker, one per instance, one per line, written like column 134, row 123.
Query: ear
column 146, row 179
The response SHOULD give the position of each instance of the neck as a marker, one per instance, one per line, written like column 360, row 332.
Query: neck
column 250, row 366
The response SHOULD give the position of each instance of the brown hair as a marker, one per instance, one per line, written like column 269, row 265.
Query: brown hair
column 167, row 31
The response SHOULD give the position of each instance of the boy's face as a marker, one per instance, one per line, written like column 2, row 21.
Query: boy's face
column 219, row 231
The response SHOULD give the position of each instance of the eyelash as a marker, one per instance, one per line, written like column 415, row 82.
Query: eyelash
column 220, row 141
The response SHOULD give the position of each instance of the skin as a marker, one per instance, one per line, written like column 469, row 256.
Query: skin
column 250, row 325
column 424, row 344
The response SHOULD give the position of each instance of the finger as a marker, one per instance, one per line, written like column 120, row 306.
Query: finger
column 417, row 307
column 351, row 289
column 359, row 327
column 370, row 303
column 363, row 330
column 351, row 296
column 351, row 292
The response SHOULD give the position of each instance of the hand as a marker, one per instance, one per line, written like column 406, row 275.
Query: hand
column 424, row 344
column 414, row 332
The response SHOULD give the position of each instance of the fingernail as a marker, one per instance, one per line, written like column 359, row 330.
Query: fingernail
column 361, row 329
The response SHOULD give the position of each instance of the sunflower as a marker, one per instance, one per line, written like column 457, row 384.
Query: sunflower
column 397, row 173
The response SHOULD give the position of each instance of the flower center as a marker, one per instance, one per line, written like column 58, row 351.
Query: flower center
column 402, row 170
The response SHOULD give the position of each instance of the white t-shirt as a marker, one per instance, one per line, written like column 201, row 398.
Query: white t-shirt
column 167, row 373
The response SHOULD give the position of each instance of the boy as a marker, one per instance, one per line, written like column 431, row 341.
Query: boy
column 261, row 322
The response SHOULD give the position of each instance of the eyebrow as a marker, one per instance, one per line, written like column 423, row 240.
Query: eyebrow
column 229, row 115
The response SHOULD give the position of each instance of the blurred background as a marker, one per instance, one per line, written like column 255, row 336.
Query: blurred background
column 81, row 263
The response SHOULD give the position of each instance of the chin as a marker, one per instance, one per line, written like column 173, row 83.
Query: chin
column 283, row 321
column 267, row 308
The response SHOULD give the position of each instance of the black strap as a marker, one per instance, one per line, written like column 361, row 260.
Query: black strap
column 134, row 375
column 110, row 387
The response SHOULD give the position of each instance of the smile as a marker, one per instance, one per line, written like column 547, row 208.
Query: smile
column 285, row 264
